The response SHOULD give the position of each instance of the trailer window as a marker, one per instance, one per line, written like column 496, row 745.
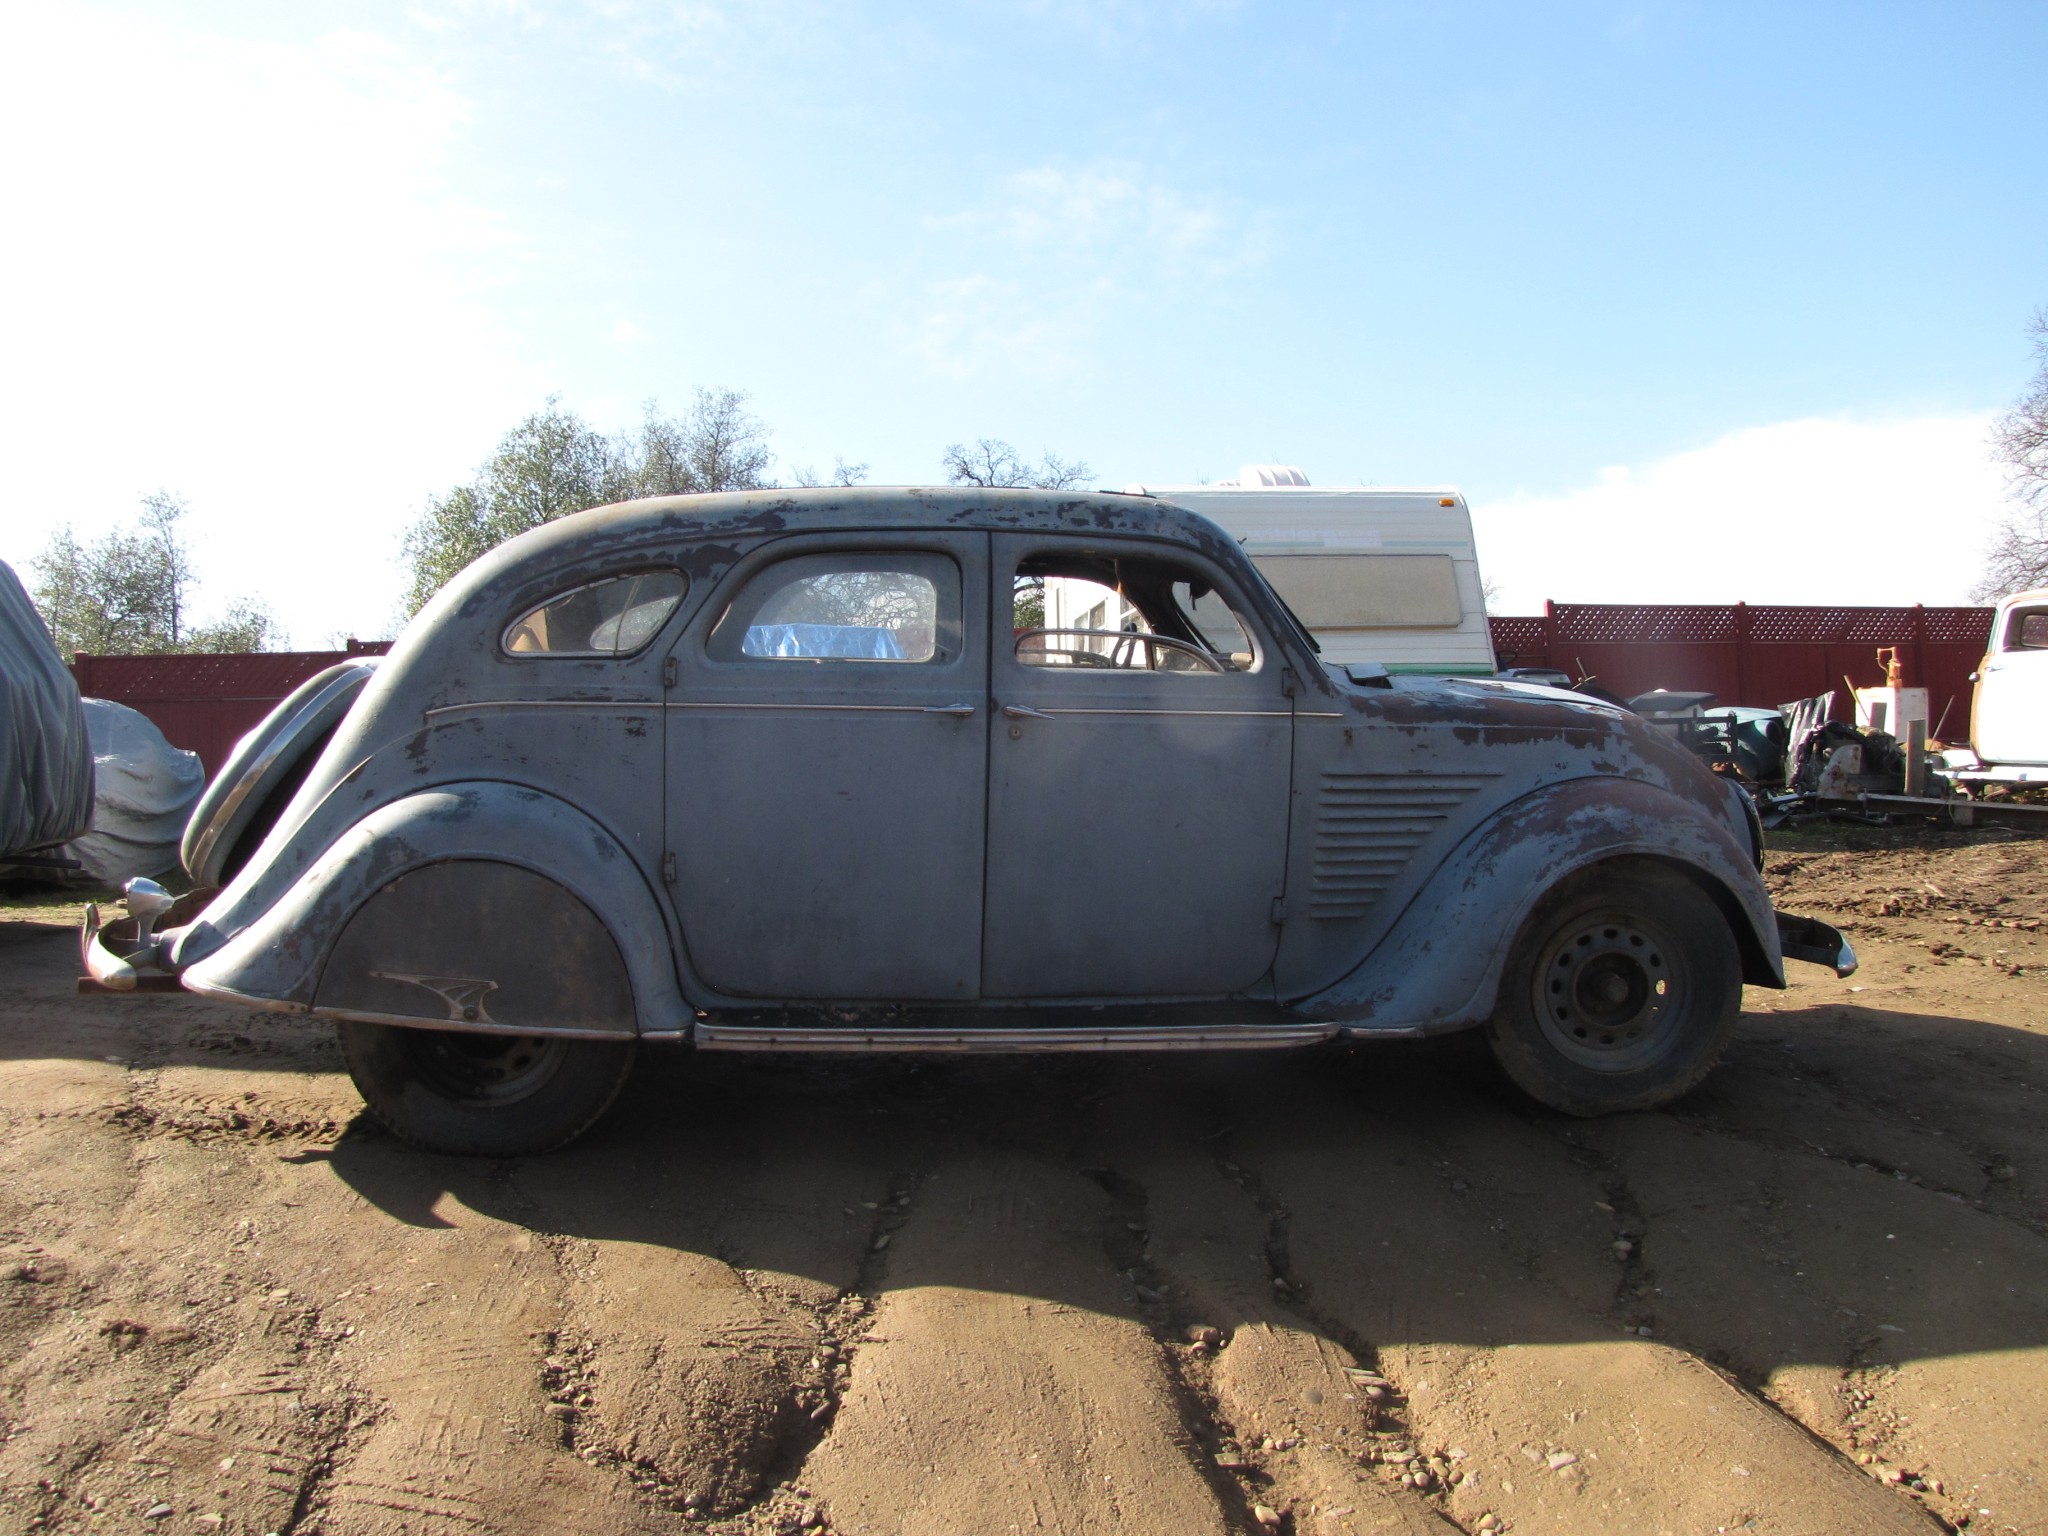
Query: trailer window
column 1367, row 591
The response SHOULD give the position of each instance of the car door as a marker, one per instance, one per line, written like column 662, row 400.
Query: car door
column 827, row 768
column 2009, row 715
column 1138, row 795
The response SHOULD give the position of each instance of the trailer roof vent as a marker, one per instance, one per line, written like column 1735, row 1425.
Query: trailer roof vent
column 1271, row 474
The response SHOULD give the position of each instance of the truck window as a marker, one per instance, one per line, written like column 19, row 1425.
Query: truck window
column 2027, row 630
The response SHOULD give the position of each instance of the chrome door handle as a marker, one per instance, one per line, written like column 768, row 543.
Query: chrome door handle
column 957, row 711
column 1024, row 712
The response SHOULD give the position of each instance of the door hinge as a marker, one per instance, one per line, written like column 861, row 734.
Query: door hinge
column 668, row 869
column 1288, row 684
column 1279, row 910
column 668, row 672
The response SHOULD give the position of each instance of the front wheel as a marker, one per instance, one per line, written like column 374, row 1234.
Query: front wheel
column 488, row 1095
column 1621, row 992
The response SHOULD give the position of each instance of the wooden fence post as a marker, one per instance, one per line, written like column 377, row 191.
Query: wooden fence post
column 1742, row 654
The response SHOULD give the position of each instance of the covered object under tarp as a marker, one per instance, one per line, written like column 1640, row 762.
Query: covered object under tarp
column 46, row 770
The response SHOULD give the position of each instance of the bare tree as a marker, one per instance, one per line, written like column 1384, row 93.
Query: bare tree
column 719, row 445
column 843, row 474
column 130, row 593
column 2018, row 557
column 993, row 463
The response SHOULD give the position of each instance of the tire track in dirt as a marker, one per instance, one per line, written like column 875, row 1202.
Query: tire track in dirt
column 1006, row 1382
column 1491, row 1311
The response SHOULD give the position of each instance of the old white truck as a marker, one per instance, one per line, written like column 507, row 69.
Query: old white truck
column 1378, row 573
column 2009, row 710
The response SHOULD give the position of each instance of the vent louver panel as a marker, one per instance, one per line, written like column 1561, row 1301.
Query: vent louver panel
column 1368, row 826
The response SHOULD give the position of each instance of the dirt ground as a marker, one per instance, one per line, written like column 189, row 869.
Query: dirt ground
column 1366, row 1290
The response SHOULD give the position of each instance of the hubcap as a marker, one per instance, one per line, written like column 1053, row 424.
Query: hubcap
column 1606, row 993
column 488, row 1069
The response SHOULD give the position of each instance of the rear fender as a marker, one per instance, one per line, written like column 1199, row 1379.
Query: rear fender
column 470, row 906
column 1439, row 967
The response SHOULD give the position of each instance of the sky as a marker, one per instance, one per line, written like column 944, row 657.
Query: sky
column 1696, row 302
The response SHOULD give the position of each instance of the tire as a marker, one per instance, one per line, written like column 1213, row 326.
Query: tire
column 1620, row 993
column 484, row 1095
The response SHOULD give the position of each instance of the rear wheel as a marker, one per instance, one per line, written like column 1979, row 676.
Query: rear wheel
column 492, row 1095
column 1621, row 992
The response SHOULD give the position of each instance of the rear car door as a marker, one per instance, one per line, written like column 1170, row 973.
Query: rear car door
column 1138, row 776
column 826, row 771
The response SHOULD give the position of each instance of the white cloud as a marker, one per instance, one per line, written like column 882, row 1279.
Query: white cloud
column 1813, row 511
column 236, row 273
column 1052, row 256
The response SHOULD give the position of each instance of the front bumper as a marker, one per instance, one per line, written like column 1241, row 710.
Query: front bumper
column 1816, row 942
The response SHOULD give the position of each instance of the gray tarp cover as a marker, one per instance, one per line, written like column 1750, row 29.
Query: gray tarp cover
column 46, row 774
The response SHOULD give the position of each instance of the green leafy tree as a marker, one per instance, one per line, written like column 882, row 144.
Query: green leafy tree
column 130, row 593
column 2018, row 558
column 554, row 463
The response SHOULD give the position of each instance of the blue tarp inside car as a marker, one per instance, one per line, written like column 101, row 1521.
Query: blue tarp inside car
column 857, row 642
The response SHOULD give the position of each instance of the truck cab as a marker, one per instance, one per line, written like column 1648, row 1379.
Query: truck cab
column 2009, row 710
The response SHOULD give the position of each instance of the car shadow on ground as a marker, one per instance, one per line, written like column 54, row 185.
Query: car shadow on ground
column 1397, row 1194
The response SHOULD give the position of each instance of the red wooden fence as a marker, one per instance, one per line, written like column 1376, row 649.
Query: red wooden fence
column 205, row 703
column 1745, row 655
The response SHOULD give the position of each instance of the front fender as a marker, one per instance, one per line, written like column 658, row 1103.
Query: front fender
column 1439, row 967
column 279, row 958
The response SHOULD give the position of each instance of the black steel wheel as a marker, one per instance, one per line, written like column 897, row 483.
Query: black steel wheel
column 492, row 1095
column 1620, row 993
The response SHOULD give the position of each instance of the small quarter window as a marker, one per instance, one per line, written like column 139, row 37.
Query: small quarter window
column 613, row 617
column 898, row 607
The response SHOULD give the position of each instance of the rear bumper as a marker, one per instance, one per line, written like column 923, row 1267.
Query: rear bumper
column 1816, row 942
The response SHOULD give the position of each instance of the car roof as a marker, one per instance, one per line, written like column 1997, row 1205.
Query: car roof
column 812, row 510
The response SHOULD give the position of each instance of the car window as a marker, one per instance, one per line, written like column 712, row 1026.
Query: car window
column 613, row 617
column 2027, row 630
column 846, row 607
column 1096, row 613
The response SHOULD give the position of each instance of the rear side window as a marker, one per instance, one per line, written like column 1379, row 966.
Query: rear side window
column 851, row 607
column 613, row 617
column 2027, row 630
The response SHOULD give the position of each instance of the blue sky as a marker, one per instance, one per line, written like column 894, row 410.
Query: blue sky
column 1697, row 302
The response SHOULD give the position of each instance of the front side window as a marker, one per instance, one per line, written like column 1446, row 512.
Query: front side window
column 2027, row 630
column 853, row 607
column 613, row 617
column 1137, row 614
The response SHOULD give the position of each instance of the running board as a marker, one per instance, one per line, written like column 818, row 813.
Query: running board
column 711, row 1036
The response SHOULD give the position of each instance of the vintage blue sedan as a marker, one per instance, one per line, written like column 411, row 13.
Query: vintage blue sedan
column 808, row 770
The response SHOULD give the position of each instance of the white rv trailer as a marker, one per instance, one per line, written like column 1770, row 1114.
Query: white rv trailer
column 1377, row 573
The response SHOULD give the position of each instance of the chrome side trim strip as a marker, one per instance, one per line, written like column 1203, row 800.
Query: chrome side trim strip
column 481, row 706
column 871, row 709
column 711, row 1036
column 1227, row 714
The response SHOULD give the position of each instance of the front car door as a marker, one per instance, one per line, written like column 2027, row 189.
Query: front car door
column 1140, row 746
column 826, row 771
column 2009, row 714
